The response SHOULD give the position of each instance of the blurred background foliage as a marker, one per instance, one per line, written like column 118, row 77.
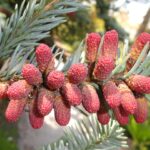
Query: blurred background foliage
column 139, row 135
column 93, row 19
column 8, row 132
column 98, row 17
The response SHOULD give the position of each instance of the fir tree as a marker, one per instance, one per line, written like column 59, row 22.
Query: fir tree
column 105, row 80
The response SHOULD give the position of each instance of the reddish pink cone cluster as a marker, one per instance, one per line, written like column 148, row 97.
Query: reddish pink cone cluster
column 103, row 68
column 92, row 44
column 43, row 56
column 55, row 80
column 119, row 96
column 20, row 92
column 91, row 100
column 77, row 73
column 110, row 45
column 111, row 94
column 97, row 87
column 31, row 74
column 41, row 87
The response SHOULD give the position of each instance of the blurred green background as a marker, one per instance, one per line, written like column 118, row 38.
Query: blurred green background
column 101, row 15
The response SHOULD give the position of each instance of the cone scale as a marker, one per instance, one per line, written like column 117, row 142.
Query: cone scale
column 62, row 111
column 72, row 94
column 45, row 102
column 128, row 101
column 90, row 100
column 111, row 94
column 92, row 45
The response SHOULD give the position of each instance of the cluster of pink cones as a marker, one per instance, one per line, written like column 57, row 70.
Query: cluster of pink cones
column 43, row 88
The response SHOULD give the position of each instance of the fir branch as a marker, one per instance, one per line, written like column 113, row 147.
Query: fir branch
column 91, row 135
column 13, row 65
column 121, row 60
column 28, row 26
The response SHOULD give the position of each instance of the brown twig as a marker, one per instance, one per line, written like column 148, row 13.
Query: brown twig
column 50, row 5
column 5, row 11
column 47, row 7
column 144, row 24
